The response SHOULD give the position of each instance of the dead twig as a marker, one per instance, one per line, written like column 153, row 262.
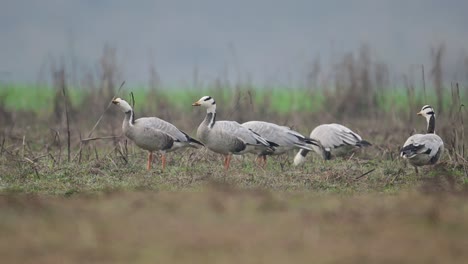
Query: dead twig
column 105, row 110
column 364, row 174
column 23, row 146
column 57, row 139
column 67, row 119
column 33, row 165
column 84, row 140
column 1, row 148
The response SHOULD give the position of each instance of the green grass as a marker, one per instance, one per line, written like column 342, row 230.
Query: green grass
column 283, row 100
column 18, row 97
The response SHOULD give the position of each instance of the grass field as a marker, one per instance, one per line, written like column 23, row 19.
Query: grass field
column 363, row 209
column 102, row 206
column 17, row 97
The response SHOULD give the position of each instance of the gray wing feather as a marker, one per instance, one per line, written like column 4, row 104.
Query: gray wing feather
column 334, row 135
column 164, row 126
column 425, row 142
column 242, row 133
column 280, row 135
column 150, row 138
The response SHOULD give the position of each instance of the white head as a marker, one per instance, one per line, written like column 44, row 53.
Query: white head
column 208, row 102
column 122, row 104
column 427, row 111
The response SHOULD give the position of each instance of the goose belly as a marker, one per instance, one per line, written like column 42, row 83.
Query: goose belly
column 420, row 160
column 220, row 143
column 177, row 145
column 340, row 151
column 151, row 143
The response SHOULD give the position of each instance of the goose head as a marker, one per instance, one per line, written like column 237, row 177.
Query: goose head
column 208, row 102
column 122, row 104
column 428, row 112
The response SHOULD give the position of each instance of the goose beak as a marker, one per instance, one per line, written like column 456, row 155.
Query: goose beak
column 197, row 103
column 419, row 113
column 115, row 101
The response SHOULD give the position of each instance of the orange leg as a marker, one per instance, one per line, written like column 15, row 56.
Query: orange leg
column 150, row 159
column 264, row 161
column 227, row 161
column 260, row 159
column 257, row 160
column 163, row 158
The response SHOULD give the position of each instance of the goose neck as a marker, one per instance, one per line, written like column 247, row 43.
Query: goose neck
column 210, row 119
column 129, row 119
column 431, row 124
column 211, row 109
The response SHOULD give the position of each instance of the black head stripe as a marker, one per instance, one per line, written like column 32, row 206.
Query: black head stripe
column 208, row 98
column 430, row 113
column 213, row 103
column 426, row 107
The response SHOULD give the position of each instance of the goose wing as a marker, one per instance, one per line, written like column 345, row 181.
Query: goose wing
column 335, row 135
column 151, row 138
column 164, row 126
column 429, row 144
column 281, row 135
column 246, row 135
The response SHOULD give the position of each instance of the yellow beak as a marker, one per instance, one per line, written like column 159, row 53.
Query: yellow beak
column 115, row 102
column 419, row 113
column 196, row 104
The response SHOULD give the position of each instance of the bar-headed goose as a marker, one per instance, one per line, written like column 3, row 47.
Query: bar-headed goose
column 286, row 138
column 336, row 140
column 227, row 137
column 424, row 149
column 153, row 134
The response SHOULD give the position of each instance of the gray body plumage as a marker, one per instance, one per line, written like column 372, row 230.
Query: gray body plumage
column 336, row 140
column 154, row 134
column 284, row 137
column 229, row 137
column 424, row 149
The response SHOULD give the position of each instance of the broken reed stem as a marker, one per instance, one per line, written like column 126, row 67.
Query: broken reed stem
column 57, row 139
column 364, row 174
column 3, row 144
column 80, row 151
column 460, row 114
column 102, row 115
column 67, row 120
column 97, row 138
column 33, row 165
column 23, row 147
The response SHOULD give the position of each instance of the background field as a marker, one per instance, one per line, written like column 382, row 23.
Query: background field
column 70, row 192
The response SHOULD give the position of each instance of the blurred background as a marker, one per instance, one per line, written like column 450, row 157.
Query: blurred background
column 263, row 41
column 296, row 63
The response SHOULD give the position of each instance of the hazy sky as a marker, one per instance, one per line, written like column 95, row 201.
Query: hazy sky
column 270, row 40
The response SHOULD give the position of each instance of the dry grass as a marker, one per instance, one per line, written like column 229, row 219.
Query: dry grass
column 226, row 225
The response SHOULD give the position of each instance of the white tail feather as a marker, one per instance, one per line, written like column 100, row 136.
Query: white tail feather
column 298, row 159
